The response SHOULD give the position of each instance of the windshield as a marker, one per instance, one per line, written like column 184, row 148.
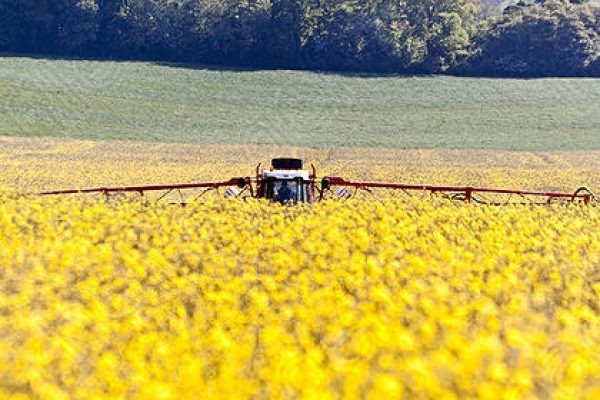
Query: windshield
column 289, row 191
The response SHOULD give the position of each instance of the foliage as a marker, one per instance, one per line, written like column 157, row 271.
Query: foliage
column 555, row 38
column 282, row 44
column 407, row 36
column 443, row 28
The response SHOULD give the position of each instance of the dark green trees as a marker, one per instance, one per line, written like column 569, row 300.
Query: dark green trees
column 47, row 26
column 283, row 39
column 549, row 38
column 417, row 36
column 478, row 37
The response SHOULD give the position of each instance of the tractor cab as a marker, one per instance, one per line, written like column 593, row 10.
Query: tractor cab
column 286, row 182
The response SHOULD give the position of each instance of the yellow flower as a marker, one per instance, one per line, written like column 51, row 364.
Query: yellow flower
column 379, row 297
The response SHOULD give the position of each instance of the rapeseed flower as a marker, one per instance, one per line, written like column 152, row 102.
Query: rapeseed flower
column 381, row 297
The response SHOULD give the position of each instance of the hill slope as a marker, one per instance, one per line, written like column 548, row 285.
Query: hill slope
column 161, row 103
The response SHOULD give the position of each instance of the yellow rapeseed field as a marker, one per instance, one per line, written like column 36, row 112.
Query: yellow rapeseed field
column 389, row 297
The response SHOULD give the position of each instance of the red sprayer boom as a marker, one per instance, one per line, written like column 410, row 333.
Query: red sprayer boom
column 285, row 181
column 243, row 183
column 465, row 193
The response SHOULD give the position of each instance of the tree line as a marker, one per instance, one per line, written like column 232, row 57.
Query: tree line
column 469, row 37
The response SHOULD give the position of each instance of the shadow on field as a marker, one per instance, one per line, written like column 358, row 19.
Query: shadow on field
column 204, row 66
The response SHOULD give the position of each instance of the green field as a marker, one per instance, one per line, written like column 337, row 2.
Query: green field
column 165, row 103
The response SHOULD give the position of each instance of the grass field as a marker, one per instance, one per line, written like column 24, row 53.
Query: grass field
column 162, row 103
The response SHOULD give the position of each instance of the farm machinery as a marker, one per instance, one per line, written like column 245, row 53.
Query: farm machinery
column 287, row 182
